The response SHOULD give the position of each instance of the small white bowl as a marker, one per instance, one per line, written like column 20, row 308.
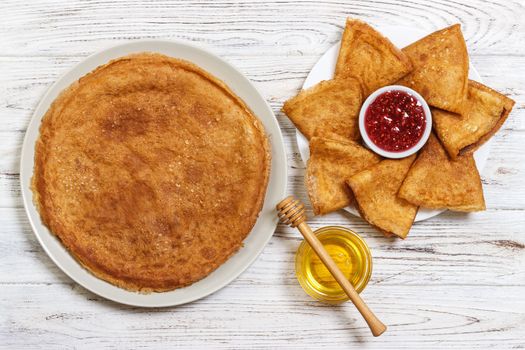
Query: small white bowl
column 372, row 145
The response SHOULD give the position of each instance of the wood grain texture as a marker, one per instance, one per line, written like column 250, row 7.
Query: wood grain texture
column 457, row 282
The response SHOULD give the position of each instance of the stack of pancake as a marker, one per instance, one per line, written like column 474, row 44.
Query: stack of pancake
column 150, row 171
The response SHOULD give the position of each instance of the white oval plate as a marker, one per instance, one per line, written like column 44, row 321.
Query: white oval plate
column 324, row 70
column 254, row 242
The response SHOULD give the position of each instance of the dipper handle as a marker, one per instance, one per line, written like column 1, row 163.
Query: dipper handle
column 291, row 212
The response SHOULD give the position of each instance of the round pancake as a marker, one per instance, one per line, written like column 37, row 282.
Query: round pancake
column 150, row 171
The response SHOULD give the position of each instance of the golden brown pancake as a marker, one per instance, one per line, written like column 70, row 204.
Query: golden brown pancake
column 150, row 171
column 435, row 181
column 440, row 72
column 485, row 113
column 331, row 162
column 329, row 107
column 370, row 57
column 375, row 190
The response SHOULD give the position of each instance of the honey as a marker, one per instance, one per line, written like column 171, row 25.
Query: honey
column 351, row 255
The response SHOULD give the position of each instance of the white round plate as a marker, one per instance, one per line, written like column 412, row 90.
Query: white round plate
column 253, row 244
column 324, row 70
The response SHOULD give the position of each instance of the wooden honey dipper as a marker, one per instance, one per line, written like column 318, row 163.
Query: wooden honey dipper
column 291, row 212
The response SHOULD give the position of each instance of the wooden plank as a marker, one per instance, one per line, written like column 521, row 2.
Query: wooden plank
column 277, row 77
column 502, row 177
column 452, row 249
column 427, row 317
column 250, row 28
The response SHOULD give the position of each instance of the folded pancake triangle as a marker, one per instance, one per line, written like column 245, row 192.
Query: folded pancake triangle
column 436, row 181
column 369, row 56
column 331, row 162
column 329, row 107
column 375, row 190
column 440, row 74
column 485, row 113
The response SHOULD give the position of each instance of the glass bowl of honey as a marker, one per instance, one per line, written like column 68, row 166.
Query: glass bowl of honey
column 350, row 253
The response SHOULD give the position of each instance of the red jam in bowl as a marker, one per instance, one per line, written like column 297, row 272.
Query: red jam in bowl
column 395, row 121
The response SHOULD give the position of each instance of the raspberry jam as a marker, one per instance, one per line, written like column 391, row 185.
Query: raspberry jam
column 395, row 121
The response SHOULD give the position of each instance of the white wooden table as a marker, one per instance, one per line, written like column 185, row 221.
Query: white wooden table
column 458, row 281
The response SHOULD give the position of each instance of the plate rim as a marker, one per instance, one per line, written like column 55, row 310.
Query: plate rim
column 275, row 191
column 481, row 155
